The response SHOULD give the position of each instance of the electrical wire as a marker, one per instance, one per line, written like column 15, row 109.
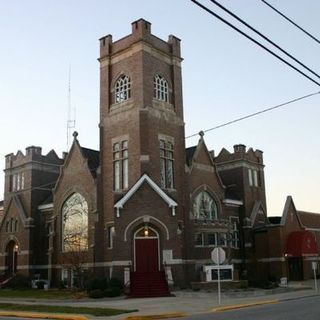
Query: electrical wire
column 254, row 41
column 264, row 37
column 256, row 113
column 291, row 21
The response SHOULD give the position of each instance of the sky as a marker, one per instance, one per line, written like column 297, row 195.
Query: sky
column 225, row 77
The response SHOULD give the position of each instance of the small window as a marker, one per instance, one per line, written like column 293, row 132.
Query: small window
column 235, row 236
column 256, row 180
column 161, row 90
column 199, row 239
column 122, row 89
column 212, row 239
column 222, row 239
column 111, row 233
column 166, row 164
column 250, row 177
column 120, row 165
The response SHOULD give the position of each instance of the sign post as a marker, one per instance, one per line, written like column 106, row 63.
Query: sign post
column 218, row 256
column 314, row 268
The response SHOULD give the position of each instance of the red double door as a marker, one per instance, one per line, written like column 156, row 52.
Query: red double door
column 147, row 256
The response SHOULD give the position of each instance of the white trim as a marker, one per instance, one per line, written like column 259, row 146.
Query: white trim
column 146, row 238
column 45, row 206
column 273, row 259
column 145, row 178
column 313, row 229
column 314, row 258
column 232, row 202
column 145, row 219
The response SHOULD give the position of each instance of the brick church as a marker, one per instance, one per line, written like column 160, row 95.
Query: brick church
column 144, row 208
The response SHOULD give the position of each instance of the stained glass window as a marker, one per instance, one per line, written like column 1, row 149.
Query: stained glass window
column 75, row 224
column 204, row 207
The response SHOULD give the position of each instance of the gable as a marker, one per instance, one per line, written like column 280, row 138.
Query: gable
column 76, row 168
column 290, row 218
column 202, row 155
column 16, row 209
column 258, row 215
column 145, row 179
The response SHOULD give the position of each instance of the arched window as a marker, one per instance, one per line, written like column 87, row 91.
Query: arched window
column 204, row 207
column 160, row 88
column 122, row 89
column 75, row 224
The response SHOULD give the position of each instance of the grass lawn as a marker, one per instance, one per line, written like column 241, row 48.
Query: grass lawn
column 41, row 294
column 98, row 312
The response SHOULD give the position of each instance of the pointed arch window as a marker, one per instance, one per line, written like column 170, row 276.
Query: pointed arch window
column 75, row 224
column 205, row 207
column 160, row 88
column 122, row 89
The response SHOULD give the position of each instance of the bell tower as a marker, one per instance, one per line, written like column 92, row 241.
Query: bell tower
column 141, row 118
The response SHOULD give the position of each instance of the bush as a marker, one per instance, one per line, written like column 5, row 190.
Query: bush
column 19, row 281
column 96, row 294
column 97, row 284
column 112, row 292
column 115, row 283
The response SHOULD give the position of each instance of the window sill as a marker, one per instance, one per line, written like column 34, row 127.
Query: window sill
column 121, row 106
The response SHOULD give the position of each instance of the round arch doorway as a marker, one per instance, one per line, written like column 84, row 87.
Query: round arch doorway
column 146, row 250
column 11, row 258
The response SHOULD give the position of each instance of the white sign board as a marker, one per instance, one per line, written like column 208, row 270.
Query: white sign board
column 218, row 255
column 314, row 265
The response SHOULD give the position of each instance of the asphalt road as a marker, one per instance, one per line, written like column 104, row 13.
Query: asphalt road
column 298, row 309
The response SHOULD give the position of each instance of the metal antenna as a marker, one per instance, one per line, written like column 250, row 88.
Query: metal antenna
column 71, row 121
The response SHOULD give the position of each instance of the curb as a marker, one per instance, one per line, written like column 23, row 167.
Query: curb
column 243, row 305
column 157, row 316
column 37, row 315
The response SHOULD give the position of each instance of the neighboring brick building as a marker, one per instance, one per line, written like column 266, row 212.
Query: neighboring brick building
column 144, row 205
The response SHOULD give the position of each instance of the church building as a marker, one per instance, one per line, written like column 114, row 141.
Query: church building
column 143, row 208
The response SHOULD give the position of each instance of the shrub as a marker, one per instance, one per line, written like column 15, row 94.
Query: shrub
column 97, row 283
column 19, row 281
column 115, row 283
column 112, row 292
column 96, row 294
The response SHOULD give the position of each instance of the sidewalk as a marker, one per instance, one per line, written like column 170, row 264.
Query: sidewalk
column 185, row 302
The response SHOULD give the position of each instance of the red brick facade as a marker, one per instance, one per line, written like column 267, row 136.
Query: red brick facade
column 143, row 182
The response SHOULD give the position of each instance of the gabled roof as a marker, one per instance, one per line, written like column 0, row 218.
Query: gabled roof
column 26, row 221
column 310, row 219
column 93, row 157
column 258, row 208
column 189, row 154
column 286, row 209
column 145, row 178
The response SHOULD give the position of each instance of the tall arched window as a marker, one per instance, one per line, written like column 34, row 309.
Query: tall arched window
column 122, row 89
column 75, row 224
column 204, row 207
column 160, row 88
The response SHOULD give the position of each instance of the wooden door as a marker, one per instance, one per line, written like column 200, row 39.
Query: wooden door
column 147, row 259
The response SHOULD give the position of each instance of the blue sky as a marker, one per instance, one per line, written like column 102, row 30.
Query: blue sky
column 224, row 77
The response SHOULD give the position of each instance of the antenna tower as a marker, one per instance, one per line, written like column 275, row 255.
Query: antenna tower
column 71, row 121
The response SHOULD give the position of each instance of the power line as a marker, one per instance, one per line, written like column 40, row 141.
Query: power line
column 254, row 41
column 291, row 21
column 256, row 113
column 264, row 37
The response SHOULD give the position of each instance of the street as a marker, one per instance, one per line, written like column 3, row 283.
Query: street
column 304, row 308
